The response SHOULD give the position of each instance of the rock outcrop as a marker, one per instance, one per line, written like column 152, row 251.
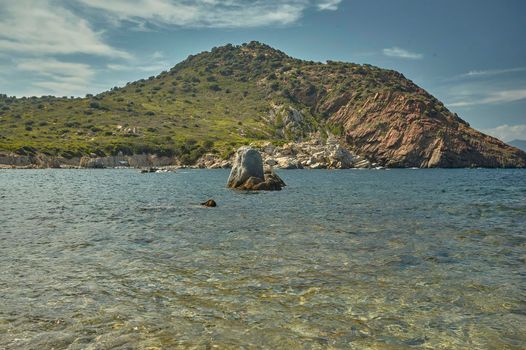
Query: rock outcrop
column 92, row 163
column 248, row 174
column 316, row 153
column 212, row 161
column 289, row 122
column 398, row 129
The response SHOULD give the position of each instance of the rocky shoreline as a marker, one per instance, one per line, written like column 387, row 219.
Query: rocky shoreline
column 40, row 161
column 317, row 153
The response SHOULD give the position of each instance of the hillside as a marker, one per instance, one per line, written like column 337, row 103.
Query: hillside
column 215, row 101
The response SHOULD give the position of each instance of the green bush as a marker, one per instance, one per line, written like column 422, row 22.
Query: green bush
column 214, row 87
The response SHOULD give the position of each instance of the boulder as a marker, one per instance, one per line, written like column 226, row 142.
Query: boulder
column 342, row 156
column 363, row 164
column 273, row 179
column 271, row 162
column 321, row 165
column 93, row 163
column 149, row 170
column 268, row 148
column 209, row 203
column 226, row 164
column 247, row 173
column 247, row 163
column 209, row 161
column 288, row 163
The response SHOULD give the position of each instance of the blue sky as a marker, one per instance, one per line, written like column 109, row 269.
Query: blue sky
column 468, row 53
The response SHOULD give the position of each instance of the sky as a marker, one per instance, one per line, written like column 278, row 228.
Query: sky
column 470, row 54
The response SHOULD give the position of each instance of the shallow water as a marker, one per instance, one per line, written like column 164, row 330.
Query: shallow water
column 424, row 259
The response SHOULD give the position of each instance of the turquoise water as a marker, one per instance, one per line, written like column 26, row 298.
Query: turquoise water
column 398, row 259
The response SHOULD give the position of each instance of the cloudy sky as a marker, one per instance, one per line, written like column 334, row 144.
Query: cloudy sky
column 469, row 53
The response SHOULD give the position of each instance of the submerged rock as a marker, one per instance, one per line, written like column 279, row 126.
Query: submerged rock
column 247, row 173
column 149, row 170
column 209, row 203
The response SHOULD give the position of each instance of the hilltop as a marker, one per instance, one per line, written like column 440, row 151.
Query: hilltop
column 215, row 101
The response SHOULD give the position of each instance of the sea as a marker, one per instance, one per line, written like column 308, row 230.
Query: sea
column 339, row 259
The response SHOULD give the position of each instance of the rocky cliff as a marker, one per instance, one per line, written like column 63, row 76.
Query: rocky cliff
column 398, row 130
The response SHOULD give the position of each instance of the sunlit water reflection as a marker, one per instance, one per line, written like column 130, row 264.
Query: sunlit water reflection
column 426, row 259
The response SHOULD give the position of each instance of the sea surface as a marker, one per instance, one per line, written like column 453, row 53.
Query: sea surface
column 348, row 259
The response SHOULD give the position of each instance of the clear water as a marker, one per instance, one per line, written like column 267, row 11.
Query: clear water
column 114, row 259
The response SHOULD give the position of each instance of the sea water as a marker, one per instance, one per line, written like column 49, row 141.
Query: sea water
column 350, row 259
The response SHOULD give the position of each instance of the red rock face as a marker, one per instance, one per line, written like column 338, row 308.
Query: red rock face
column 399, row 129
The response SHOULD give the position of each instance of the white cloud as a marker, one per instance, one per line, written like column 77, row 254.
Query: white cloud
column 331, row 5
column 209, row 13
column 158, row 55
column 507, row 132
column 402, row 53
column 44, row 27
column 143, row 68
column 51, row 27
column 495, row 97
column 52, row 68
column 491, row 72
column 154, row 63
column 164, row 11
column 64, row 88
column 37, row 35
column 62, row 78
column 484, row 74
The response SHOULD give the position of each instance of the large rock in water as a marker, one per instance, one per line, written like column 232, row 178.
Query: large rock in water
column 248, row 174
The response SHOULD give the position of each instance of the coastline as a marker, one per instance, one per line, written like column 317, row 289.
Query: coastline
column 313, row 154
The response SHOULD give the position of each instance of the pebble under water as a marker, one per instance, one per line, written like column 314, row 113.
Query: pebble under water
column 350, row 259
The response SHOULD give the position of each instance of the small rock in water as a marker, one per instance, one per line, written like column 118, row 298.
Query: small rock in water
column 210, row 203
column 149, row 170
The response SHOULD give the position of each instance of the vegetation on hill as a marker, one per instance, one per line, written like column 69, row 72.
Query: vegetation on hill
column 211, row 102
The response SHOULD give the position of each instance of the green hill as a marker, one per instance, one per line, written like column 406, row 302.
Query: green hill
column 233, row 95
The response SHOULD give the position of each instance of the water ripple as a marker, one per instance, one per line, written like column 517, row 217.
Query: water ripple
column 338, row 259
